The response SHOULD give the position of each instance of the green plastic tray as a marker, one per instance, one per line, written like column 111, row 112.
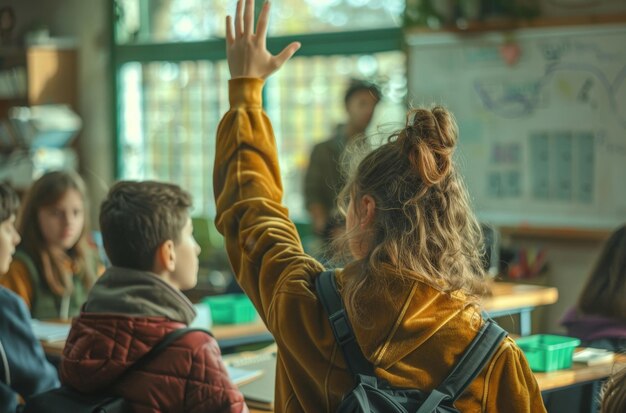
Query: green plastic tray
column 546, row 352
column 231, row 309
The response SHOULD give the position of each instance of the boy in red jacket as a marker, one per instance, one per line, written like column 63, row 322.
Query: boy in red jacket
column 148, row 237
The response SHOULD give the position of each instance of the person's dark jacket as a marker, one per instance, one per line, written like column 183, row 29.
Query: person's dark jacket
column 24, row 370
column 127, row 313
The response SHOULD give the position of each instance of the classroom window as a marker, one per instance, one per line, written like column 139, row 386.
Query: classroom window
column 305, row 104
column 172, row 86
column 168, row 119
column 188, row 20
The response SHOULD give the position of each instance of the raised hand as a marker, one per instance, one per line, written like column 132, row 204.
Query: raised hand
column 246, row 50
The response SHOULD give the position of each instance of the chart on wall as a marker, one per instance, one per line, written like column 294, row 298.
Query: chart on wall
column 542, row 120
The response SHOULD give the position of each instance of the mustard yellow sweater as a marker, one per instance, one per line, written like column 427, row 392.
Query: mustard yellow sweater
column 414, row 339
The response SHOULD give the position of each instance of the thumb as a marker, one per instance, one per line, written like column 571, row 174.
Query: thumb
column 286, row 54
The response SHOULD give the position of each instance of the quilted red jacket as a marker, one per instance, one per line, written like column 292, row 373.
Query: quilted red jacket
column 188, row 376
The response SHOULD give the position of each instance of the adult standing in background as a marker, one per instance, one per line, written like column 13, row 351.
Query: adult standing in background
column 324, row 178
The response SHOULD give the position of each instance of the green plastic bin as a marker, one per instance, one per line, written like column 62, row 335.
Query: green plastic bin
column 546, row 352
column 231, row 309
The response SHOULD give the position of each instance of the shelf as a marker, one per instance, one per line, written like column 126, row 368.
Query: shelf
column 507, row 24
column 5, row 150
column 11, row 51
column 7, row 103
column 555, row 233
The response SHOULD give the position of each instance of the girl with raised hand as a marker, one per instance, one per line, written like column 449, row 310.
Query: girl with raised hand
column 54, row 266
column 412, row 289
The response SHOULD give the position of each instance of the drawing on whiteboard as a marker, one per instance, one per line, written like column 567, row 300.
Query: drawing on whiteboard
column 514, row 102
column 554, row 50
column 505, row 179
column 543, row 142
column 614, row 148
column 562, row 166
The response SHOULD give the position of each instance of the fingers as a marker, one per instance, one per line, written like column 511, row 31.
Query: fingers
column 286, row 54
column 230, row 36
column 261, row 26
column 239, row 19
column 248, row 18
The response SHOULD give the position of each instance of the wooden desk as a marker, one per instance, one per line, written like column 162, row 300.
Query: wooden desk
column 509, row 299
column 53, row 348
column 578, row 388
column 509, row 295
column 579, row 373
column 227, row 336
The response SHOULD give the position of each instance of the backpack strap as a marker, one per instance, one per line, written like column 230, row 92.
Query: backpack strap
column 5, row 372
column 344, row 335
column 165, row 342
column 473, row 360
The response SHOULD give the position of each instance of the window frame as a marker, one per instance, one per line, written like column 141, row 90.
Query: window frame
column 347, row 43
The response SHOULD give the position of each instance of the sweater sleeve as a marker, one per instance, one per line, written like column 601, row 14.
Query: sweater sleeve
column 17, row 279
column 263, row 245
column 29, row 371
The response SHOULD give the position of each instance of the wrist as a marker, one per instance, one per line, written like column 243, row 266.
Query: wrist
column 245, row 91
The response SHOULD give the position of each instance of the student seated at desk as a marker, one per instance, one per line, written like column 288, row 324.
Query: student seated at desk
column 24, row 370
column 412, row 288
column 599, row 318
column 148, row 236
column 54, row 266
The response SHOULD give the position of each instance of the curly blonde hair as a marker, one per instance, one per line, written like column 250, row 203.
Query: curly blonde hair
column 614, row 393
column 423, row 221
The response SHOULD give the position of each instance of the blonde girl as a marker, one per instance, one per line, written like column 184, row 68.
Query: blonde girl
column 412, row 288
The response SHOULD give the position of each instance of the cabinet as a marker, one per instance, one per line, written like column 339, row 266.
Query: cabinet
column 52, row 75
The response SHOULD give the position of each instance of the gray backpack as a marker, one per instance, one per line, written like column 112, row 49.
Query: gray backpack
column 371, row 394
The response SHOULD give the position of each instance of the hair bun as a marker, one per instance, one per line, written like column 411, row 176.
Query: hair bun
column 429, row 140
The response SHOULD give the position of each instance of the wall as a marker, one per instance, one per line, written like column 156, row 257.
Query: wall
column 87, row 22
column 562, row 8
column 569, row 261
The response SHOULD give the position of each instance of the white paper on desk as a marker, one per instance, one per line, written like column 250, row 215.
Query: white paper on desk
column 46, row 331
column 259, row 393
column 593, row 356
column 241, row 376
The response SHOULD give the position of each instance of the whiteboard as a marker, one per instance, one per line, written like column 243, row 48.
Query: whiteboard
column 542, row 142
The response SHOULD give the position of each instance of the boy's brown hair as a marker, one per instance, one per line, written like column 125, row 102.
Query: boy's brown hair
column 9, row 202
column 137, row 217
